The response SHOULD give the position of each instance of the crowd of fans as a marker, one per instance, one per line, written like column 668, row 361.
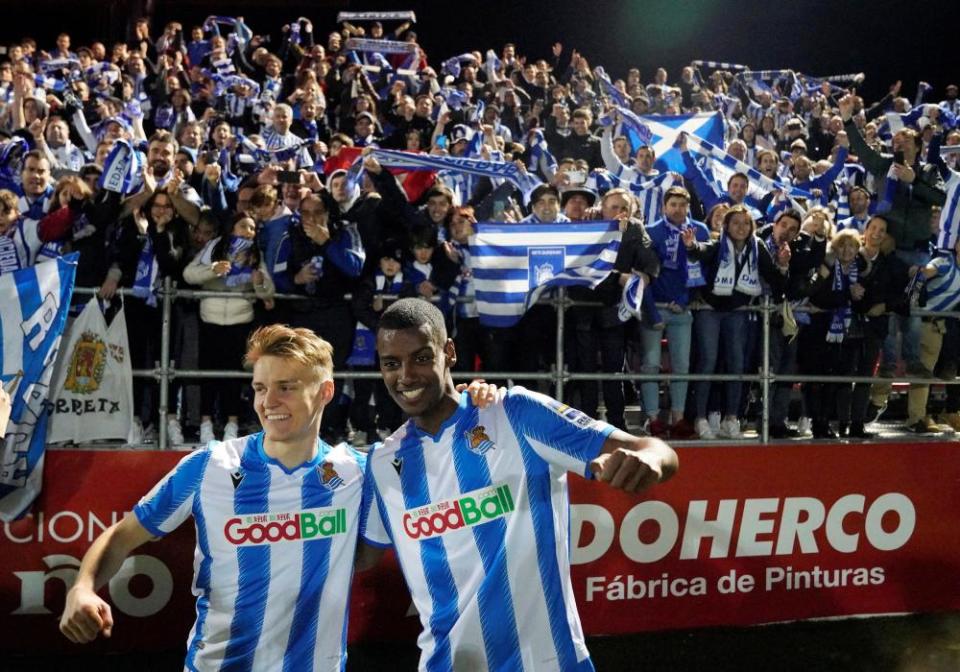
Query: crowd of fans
column 241, row 157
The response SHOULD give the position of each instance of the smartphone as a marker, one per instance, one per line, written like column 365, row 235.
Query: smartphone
column 210, row 157
column 576, row 177
column 288, row 177
column 898, row 157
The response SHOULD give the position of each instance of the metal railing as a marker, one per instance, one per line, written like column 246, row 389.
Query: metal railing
column 165, row 371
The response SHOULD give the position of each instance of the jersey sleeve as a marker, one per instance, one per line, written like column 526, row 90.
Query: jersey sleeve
column 170, row 502
column 373, row 531
column 561, row 435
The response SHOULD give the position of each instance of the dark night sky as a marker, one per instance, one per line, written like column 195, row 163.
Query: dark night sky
column 883, row 38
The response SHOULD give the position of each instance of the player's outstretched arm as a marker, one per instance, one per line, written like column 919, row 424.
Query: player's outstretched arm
column 633, row 463
column 86, row 615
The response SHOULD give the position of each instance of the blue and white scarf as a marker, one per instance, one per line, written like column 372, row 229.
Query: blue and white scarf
column 376, row 16
column 452, row 66
column 122, row 169
column 676, row 252
column 148, row 274
column 719, row 65
column 13, row 250
column 240, row 29
column 618, row 97
column 842, row 316
column 391, row 158
column 631, row 299
column 363, row 44
column 747, row 281
column 241, row 271
column 222, row 83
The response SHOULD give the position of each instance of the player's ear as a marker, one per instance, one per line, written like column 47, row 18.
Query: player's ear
column 326, row 392
column 450, row 350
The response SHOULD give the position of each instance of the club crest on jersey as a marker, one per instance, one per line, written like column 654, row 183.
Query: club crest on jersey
column 478, row 441
column 570, row 414
column 329, row 477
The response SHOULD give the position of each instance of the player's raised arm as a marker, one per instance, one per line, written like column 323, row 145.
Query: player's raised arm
column 634, row 463
column 86, row 614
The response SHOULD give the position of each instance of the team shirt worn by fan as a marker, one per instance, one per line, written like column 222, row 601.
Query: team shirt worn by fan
column 274, row 555
column 479, row 517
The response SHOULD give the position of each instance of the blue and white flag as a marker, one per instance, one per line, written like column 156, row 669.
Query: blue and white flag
column 32, row 317
column 665, row 128
column 724, row 166
column 513, row 264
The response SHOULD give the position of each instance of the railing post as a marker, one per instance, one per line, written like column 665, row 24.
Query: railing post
column 765, row 374
column 164, row 370
column 559, row 367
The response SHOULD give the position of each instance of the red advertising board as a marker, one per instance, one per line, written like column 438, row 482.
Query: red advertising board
column 743, row 535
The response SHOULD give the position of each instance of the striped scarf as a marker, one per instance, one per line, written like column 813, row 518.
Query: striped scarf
column 842, row 316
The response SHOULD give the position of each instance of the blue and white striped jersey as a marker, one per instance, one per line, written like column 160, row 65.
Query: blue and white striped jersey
column 479, row 517
column 950, row 213
column 943, row 289
column 274, row 555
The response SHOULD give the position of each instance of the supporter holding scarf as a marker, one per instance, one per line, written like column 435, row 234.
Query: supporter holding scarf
column 833, row 343
column 734, row 265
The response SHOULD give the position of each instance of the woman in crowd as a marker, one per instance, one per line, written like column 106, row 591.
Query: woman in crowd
column 229, row 263
column 734, row 266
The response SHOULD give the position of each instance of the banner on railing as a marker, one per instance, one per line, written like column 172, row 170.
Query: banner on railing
column 743, row 535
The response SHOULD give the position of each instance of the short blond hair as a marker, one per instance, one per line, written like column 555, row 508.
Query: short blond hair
column 300, row 344
column 845, row 237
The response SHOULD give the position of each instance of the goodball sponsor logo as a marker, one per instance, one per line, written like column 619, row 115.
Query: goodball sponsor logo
column 276, row 528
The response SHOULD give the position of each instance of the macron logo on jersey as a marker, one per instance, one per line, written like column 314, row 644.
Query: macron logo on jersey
column 275, row 528
column 472, row 508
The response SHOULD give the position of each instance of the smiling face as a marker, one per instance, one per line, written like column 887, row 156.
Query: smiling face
column 289, row 398
column 416, row 370
column 875, row 232
column 739, row 226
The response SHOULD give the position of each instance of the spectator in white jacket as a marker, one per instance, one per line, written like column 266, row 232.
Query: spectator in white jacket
column 229, row 263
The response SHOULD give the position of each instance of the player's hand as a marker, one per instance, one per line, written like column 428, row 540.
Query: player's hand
column 85, row 616
column 482, row 393
column 627, row 469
